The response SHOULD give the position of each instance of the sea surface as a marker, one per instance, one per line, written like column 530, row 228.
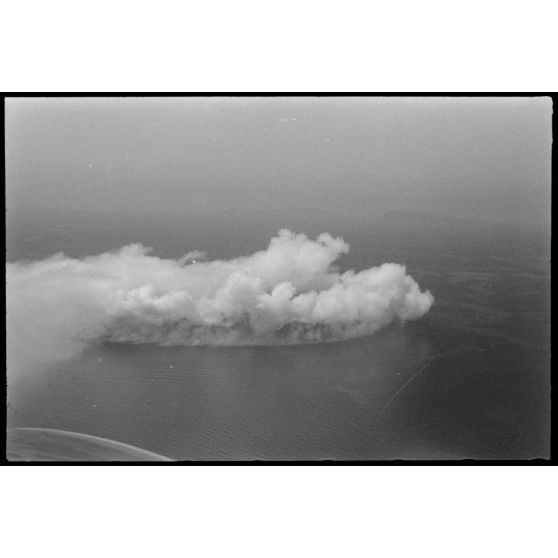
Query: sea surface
column 469, row 380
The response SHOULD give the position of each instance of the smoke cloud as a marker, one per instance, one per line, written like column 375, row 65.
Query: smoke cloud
column 289, row 293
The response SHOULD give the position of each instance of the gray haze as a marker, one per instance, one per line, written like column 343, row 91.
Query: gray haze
column 474, row 158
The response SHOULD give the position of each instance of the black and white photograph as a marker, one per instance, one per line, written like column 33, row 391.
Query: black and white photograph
column 278, row 279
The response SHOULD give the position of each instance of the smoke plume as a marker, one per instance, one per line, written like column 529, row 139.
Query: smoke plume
column 289, row 293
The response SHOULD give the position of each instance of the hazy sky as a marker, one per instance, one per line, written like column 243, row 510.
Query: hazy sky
column 479, row 158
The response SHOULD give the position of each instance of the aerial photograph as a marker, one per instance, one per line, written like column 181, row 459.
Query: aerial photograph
column 284, row 279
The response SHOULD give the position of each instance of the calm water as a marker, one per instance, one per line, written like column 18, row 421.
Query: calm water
column 469, row 380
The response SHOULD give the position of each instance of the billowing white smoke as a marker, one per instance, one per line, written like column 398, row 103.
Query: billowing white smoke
column 288, row 293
